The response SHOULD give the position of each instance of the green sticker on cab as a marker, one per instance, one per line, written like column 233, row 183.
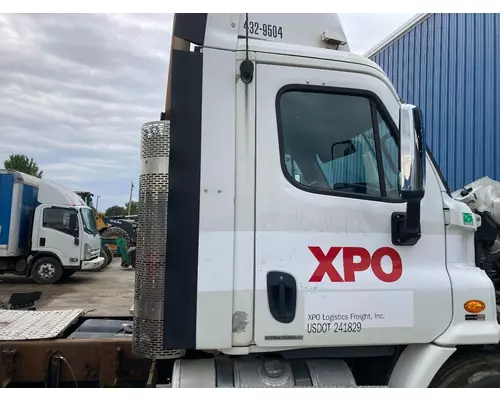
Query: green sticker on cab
column 468, row 219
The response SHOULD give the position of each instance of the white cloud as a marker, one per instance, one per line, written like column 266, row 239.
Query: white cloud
column 74, row 91
column 365, row 30
column 76, row 88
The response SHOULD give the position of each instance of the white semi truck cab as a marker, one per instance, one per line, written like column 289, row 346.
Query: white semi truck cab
column 294, row 228
column 47, row 232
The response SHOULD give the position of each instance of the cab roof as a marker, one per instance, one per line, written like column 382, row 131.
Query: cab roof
column 222, row 31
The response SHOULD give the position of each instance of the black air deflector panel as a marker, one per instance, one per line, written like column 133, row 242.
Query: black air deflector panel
column 191, row 27
column 181, row 268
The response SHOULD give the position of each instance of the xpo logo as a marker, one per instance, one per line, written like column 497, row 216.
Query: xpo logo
column 352, row 265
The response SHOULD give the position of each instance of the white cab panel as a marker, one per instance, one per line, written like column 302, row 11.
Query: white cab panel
column 468, row 282
column 216, row 240
column 416, row 308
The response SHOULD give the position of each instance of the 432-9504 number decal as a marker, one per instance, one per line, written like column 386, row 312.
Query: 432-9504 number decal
column 267, row 30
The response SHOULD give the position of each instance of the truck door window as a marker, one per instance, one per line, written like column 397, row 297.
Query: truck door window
column 334, row 141
column 58, row 219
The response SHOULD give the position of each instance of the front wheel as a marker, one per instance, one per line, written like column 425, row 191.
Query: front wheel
column 47, row 270
column 107, row 254
column 477, row 370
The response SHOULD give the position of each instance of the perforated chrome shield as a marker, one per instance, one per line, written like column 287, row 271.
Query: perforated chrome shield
column 151, row 243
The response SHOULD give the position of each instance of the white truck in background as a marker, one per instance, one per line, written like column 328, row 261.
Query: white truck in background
column 47, row 232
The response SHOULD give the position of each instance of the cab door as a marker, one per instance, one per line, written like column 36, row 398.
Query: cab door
column 327, row 272
column 58, row 233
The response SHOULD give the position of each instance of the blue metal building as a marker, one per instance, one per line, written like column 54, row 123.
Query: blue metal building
column 449, row 65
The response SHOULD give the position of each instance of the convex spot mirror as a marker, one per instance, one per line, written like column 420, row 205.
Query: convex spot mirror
column 411, row 153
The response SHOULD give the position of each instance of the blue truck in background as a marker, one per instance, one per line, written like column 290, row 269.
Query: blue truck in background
column 18, row 201
column 47, row 232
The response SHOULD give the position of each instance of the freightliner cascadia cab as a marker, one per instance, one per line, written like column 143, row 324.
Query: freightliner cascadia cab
column 291, row 221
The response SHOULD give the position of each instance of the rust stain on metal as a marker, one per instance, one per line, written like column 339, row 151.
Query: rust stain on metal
column 6, row 365
column 105, row 361
column 110, row 360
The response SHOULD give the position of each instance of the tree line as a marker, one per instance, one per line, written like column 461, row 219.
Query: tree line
column 24, row 164
column 119, row 210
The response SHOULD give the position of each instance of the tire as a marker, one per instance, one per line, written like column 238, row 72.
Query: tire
column 476, row 370
column 107, row 254
column 108, row 257
column 114, row 232
column 47, row 270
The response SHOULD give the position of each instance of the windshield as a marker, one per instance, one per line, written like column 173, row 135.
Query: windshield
column 88, row 220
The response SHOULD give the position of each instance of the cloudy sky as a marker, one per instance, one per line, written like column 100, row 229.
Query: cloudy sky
column 75, row 89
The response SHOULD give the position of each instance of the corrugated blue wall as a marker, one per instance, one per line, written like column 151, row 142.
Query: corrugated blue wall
column 449, row 65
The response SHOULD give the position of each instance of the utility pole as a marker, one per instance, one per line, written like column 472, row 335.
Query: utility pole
column 130, row 199
column 97, row 203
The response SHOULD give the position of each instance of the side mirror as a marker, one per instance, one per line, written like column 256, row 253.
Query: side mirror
column 411, row 153
column 73, row 223
column 412, row 156
column 342, row 149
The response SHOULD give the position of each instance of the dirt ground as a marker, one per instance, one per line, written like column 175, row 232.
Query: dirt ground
column 106, row 293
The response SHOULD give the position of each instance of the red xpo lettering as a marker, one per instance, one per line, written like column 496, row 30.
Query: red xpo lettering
column 351, row 266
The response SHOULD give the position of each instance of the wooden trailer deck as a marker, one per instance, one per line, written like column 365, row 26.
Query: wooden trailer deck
column 106, row 293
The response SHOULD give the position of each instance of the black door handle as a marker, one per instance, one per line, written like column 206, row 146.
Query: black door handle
column 42, row 242
column 282, row 296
